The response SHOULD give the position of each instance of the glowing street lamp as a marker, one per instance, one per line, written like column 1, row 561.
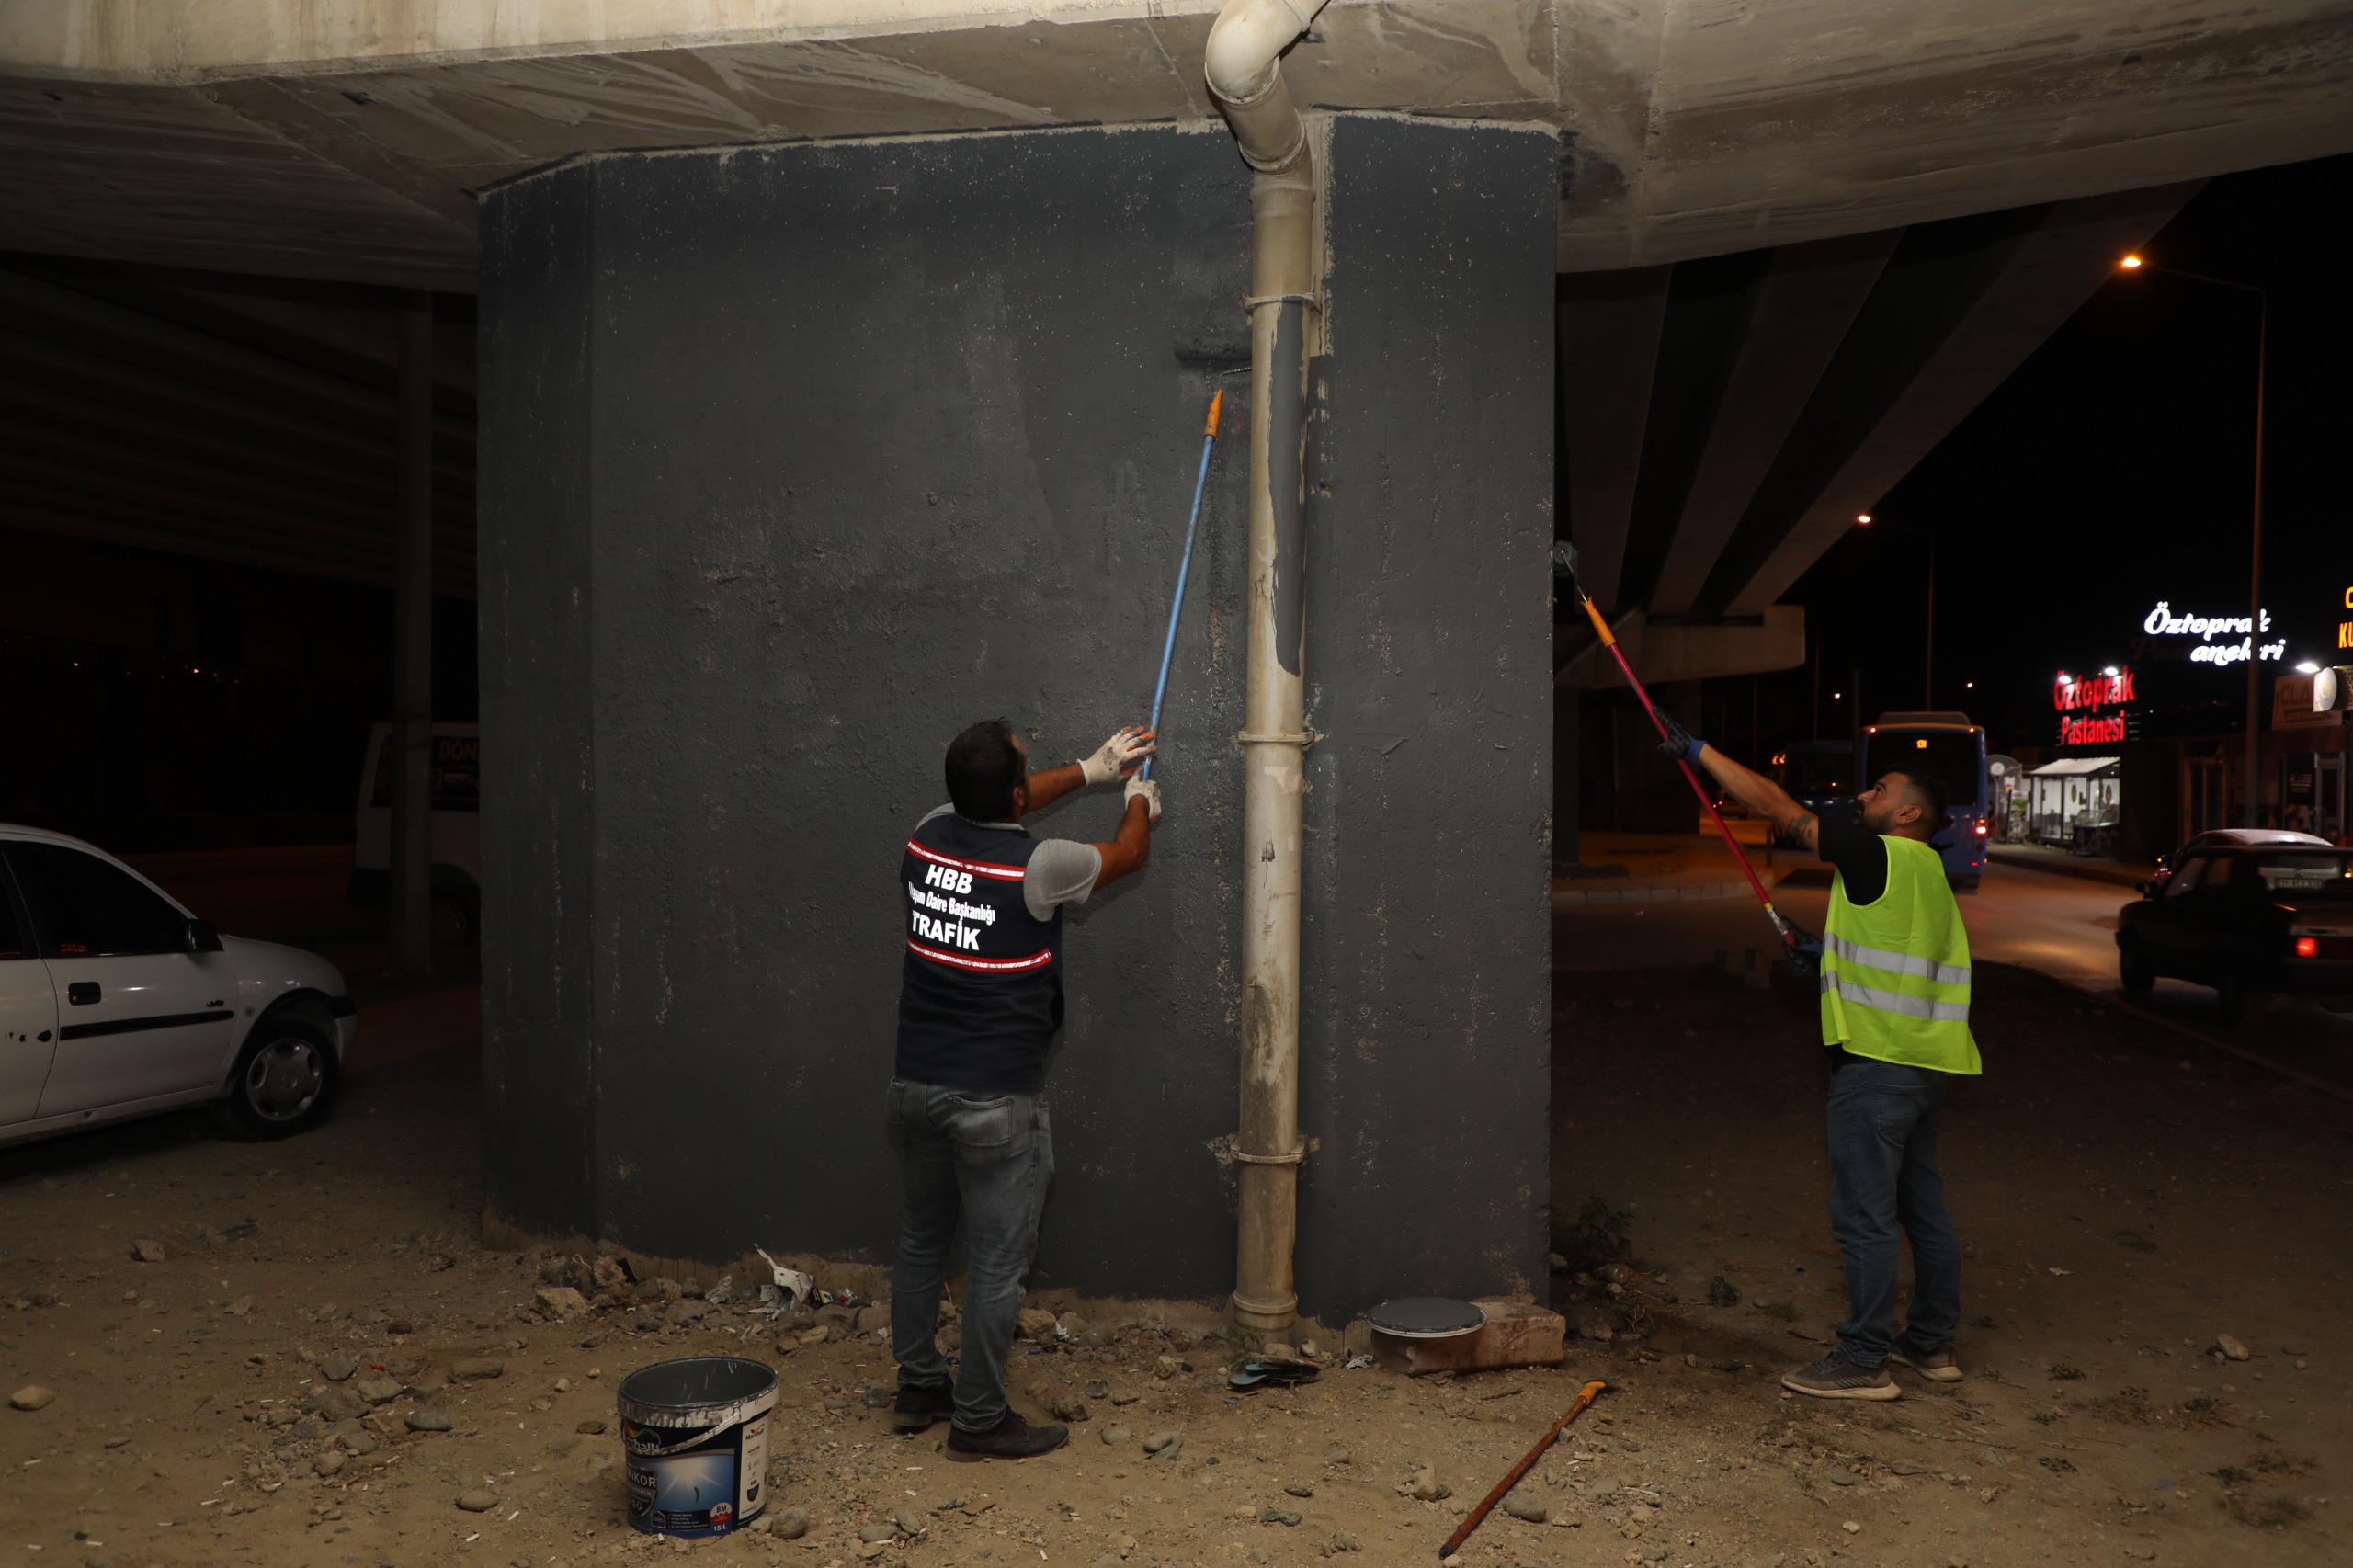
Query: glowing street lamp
column 2250, row 810
column 1928, row 660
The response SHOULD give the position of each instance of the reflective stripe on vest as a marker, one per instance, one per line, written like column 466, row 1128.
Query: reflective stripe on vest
column 1896, row 1002
column 1900, row 963
column 1895, row 973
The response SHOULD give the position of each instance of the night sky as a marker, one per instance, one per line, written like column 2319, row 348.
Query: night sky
column 2114, row 470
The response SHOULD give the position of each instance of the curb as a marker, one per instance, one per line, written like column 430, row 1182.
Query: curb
column 1657, row 892
column 2190, row 1031
column 2084, row 871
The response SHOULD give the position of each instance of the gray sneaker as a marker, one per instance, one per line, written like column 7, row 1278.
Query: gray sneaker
column 1938, row 1366
column 1834, row 1377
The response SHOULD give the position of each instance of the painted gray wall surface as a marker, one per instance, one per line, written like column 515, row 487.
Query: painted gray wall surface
column 1426, row 1036
column 804, row 458
column 538, row 702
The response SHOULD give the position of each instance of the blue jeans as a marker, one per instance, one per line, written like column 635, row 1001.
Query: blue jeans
column 1882, row 1175
column 987, row 1159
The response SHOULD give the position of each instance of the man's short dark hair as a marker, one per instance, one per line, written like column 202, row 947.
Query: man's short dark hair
column 984, row 764
column 1929, row 792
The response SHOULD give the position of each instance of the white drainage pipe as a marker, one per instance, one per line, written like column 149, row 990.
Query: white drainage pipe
column 1244, row 68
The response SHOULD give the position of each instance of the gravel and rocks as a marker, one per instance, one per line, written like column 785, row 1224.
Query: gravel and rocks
column 219, row 1440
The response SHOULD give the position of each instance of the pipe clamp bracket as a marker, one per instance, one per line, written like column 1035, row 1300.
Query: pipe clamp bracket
column 1296, row 1157
column 1303, row 740
column 1254, row 300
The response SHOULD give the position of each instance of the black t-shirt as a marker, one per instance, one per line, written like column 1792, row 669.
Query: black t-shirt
column 1860, row 855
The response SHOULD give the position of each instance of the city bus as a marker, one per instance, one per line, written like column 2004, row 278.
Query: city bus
column 1952, row 748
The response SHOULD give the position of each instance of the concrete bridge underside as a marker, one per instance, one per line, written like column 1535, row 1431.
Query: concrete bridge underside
column 349, row 140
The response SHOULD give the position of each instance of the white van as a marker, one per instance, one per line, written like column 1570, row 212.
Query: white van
column 456, row 830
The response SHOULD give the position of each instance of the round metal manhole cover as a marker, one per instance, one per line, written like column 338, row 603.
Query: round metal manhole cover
column 1427, row 1317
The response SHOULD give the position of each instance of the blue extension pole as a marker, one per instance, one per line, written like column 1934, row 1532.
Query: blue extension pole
column 1184, row 569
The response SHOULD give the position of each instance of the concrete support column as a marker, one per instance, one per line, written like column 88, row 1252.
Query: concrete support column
column 1566, row 770
column 411, row 906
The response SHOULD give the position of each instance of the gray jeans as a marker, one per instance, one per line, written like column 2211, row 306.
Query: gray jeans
column 988, row 1160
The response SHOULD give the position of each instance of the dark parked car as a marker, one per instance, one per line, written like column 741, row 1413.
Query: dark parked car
column 2246, row 918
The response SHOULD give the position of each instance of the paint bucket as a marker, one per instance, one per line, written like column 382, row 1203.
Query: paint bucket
column 696, row 1435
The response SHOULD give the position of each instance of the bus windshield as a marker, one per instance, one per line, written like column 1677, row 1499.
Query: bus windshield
column 1955, row 756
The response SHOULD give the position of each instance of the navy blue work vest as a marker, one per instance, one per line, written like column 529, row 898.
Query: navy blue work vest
column 980, row 989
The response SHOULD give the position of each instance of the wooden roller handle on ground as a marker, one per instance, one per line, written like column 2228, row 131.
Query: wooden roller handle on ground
column 1462, row 1532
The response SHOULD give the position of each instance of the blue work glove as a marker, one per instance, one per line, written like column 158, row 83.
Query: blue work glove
column 1680, row 741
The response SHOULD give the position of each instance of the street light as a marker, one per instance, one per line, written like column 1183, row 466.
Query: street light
column 2255, row 550
column 1929, row 661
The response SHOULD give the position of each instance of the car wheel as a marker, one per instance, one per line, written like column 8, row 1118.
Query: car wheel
column 456, row 922
column 284, row 1079
column 2231, row 997
column 2132, row 967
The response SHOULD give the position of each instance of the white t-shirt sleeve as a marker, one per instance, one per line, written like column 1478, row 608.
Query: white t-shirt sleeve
column 1060, row 871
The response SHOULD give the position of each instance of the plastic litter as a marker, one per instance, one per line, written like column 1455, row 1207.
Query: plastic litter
column 793, row 1288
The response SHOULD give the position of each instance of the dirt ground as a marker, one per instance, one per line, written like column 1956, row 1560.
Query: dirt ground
column 2125, row 1200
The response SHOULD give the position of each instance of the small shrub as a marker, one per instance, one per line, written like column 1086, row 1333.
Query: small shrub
column 2062, row 1374
column 1785, row 1310
column 1600, row 1234
column 2202, row 1404
column 2230, row 1473
column 2057, row 1464
column 2134, row 1240
column 1722, row 1292
column 1982, row 1320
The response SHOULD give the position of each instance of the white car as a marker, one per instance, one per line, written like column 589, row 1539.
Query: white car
column 116, row 1001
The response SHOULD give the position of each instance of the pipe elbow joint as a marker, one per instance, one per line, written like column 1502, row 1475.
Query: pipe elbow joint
column 1242, row 68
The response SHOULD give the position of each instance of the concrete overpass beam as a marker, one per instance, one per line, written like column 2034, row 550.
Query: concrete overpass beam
column 1664, row 654
column 2048, row 274
column 1798, row 313
column 1608, row 327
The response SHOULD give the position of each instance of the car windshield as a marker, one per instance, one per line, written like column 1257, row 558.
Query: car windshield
column 1812, row 776
column 2315, row 874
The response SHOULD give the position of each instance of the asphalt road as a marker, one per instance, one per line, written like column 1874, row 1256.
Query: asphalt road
column 2063, row 925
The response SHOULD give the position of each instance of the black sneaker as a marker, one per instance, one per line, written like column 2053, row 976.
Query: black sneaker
column 920, row 1405
column 1011, row 1438
column 1834, row 1377
column 1938, row 1366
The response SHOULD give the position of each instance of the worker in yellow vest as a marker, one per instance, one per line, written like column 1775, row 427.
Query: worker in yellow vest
column 1895, row 1022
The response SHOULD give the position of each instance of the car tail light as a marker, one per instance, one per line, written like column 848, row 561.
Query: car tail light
column 2323, row 946
column 1980, row 830
column 2308, row 947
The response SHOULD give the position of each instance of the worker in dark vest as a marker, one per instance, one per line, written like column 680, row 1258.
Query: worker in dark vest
column 1895, row 1021
column 980, row 998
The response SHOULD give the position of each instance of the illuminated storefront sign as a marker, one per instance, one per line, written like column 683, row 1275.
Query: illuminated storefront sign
column 2086, row 696
column 2345, row 628
column 2163, row 622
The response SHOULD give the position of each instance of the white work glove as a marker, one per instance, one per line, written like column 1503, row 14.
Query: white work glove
column 1124, row 751
column 1149, row 789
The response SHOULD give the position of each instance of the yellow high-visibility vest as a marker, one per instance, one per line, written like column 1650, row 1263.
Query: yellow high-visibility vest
column 1895, row 970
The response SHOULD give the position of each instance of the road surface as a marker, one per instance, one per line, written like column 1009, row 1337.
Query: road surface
column 2063, row 925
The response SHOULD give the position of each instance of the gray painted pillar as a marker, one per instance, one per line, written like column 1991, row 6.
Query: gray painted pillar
column 412, row 894
column 1566, row 773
